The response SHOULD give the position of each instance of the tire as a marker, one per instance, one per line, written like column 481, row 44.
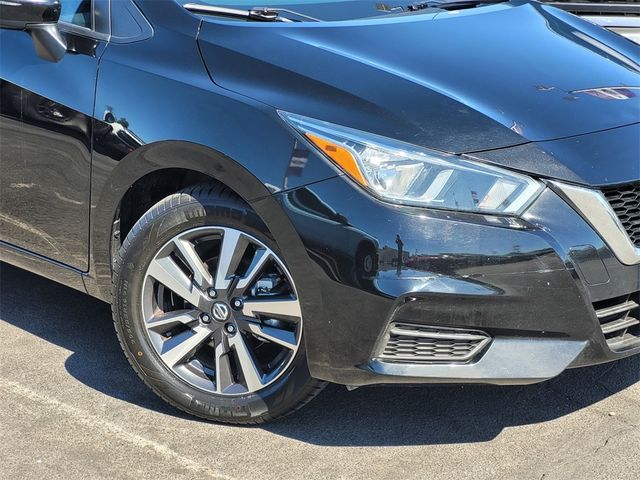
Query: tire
column 225, row 388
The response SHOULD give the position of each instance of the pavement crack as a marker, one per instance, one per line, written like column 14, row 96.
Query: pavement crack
column 612, row 436
column 606, row 442
column 593, row 453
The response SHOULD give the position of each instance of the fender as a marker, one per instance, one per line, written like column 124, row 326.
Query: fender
column 152, row 115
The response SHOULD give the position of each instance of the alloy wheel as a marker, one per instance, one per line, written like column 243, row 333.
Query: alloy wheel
column 221, row 311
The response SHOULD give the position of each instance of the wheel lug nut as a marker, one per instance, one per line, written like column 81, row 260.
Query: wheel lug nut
column 230, row 328
column 212, row 293
column 236, row 303
column 205, row 318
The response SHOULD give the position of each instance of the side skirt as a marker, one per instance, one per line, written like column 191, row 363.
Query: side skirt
column 42, row 266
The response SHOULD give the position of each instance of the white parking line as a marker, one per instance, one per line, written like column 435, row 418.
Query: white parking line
column 110, row 428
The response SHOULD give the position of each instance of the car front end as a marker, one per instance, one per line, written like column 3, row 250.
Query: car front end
column 486, row 199
column 458, row 297
column 273, row 198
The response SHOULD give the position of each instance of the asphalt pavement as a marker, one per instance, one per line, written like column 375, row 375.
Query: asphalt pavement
column 71, row 408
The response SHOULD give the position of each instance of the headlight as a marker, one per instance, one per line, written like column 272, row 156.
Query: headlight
column 407, row 174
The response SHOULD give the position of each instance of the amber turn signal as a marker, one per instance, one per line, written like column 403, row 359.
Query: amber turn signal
column 340, row 155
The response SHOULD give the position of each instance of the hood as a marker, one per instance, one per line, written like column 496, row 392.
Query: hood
column 466, row 81
column 608, row 157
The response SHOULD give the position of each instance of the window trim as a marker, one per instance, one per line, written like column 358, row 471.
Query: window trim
column 96, row 6
column 102, row 16
column 81, row 31
column 103, row 8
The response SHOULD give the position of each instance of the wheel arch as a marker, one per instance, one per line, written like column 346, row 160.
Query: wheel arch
column 151, row 173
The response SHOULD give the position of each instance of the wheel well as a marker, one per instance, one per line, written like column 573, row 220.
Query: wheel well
column 146, row 192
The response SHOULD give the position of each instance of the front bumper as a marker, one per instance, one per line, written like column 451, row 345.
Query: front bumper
column 530, row 284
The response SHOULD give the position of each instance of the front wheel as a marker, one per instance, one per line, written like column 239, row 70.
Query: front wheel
column 208, row 313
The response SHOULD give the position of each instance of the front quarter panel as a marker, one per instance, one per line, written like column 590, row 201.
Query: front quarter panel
column 157, row 108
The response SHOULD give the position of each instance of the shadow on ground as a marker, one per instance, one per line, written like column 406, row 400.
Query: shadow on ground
column 374, row 416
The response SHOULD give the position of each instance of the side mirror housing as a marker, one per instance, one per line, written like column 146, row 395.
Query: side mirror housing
column 21, row 14
column 39, row 18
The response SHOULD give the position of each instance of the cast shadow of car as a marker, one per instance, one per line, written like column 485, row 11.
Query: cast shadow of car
column 376, row 416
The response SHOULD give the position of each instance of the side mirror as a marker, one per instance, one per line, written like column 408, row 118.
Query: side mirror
column 39, row 18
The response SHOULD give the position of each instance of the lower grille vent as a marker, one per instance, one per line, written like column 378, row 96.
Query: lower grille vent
column 620, row 321
column 411, row 343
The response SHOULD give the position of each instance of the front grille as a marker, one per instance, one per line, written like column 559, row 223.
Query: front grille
column 625, row 201
column 411, row 343
column 620, row 321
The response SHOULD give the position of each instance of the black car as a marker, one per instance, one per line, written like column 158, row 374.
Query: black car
column 360, row 192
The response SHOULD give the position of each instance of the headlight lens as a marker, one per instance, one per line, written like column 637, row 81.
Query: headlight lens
column 411, row 175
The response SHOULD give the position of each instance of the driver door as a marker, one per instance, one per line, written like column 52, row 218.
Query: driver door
column 46, row 112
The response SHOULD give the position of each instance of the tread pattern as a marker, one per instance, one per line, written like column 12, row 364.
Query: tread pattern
column 194, row 194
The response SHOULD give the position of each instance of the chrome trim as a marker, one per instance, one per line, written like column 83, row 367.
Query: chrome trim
column 450, row 335
column 620, row 324
column 616, row 309
column 595, row 209
column 507, row 361
column 220, row 311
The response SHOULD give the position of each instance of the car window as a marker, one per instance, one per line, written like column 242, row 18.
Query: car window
column 77, row 12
